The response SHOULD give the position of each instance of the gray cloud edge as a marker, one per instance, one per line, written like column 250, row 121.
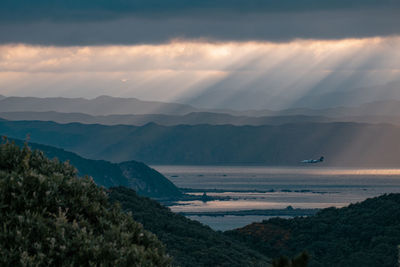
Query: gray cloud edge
column 273, row 27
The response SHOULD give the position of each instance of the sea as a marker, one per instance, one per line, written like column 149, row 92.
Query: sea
column 240, row 188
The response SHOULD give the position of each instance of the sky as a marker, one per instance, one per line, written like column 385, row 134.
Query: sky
column 217, row 54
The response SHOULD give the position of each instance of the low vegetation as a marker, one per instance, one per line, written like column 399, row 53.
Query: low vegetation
column 189, row 242
column 50, row 217
column 363, row 234
column 136, row 175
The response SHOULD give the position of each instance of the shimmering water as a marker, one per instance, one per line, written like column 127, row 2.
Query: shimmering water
column 278, row 187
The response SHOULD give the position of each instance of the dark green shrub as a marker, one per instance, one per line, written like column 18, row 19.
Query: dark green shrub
column 51, row 217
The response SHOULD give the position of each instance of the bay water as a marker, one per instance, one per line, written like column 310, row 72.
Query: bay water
column 260, row 188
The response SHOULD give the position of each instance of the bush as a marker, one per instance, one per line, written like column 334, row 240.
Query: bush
column 50, row 217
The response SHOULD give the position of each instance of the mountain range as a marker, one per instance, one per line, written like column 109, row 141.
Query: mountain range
column 192, row 118
column 107, row 105
column 120, row 129
column 102, row 105
column 342, row 144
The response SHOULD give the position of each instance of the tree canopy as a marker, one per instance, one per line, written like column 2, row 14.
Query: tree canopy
column 49, row 216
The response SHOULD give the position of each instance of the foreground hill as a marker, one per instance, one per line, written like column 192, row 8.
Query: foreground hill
column 189, row 242
column 52, row 218
column 342, row 144
column 145, row 180
column 362, row 234
column 49, row 217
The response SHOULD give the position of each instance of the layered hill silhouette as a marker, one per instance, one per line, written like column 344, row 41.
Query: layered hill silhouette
column 342, row 144
column 132, row 174
column 107, row 105
column 102, row 105
column 192, row 118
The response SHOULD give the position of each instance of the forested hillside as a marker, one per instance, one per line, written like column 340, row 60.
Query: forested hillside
column 342, row 144
column 49, row 217
column 363, row 234
column 189, row 242
column 145, row 180
column 52, row 217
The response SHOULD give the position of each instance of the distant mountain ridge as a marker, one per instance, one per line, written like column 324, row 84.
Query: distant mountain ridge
column 192, row 118
column 107, row 105
column 136, row 175
column 342, row 144
column 102, row 105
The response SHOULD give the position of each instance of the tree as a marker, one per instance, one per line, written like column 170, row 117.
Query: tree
column 299, row 261
column 49, row 216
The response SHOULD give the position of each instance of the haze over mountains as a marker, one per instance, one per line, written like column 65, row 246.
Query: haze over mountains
column 335, row 90
column 343, row 144
column 102, row 105
column 366, row 135
column 112, row 111
column 350, row 97
column 193, row 118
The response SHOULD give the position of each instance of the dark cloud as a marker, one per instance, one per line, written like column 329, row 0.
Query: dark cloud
column 77, row 22
column 21, row 10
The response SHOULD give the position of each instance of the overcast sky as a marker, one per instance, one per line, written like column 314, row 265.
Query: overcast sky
column 226, row 53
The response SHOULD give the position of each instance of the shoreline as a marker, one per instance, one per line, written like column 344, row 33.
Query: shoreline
column 268, row 212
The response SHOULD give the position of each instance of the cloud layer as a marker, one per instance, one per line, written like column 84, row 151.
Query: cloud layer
column 232, row 75
column 102, row 22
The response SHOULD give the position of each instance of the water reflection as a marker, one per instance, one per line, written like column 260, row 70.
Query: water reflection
column 216, row 205
column 278, row 187
column 258, row 188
